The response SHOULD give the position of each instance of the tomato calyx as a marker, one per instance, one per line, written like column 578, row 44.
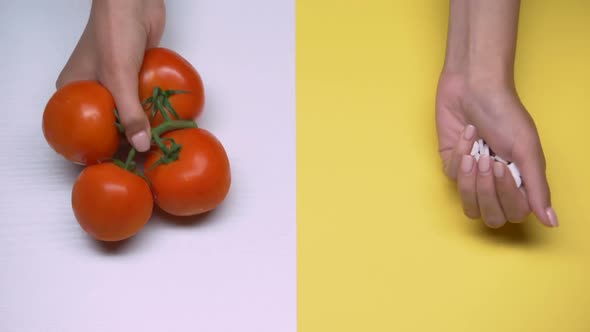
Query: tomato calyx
column 172, row 152
column 159, row 102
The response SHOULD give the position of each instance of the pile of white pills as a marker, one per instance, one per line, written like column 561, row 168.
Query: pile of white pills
column 480, row 148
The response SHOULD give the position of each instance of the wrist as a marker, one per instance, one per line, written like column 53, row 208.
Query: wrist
column 481, row 41
column 477, row 71
column 495, row 77
column 116, row 5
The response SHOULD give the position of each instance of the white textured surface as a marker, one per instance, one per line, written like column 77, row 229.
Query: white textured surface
column 234, row 270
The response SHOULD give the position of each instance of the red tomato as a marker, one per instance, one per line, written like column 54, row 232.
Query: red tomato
column 195, row 183
column 79, row 123
column 167, row 70
column 110, row 203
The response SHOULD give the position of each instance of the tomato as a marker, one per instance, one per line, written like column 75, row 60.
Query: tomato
column 79, row 123
column 111, row 203
column 167, row 70
column 195, row 183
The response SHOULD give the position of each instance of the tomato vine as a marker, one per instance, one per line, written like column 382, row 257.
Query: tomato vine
column 159, row 102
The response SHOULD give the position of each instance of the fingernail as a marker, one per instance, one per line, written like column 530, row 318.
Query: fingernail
column 552, row 217
column 141, row 141
column 498, row 170
column 469, row 132
column 466, row 164
column 484, row 164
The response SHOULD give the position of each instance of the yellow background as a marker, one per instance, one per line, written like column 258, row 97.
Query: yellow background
column 382, row 242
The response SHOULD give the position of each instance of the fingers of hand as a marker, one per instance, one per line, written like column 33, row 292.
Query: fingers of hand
column 497, row 197
column 123, row 86
column 114, row 59
column 466, row 182
column 513, row 201
column 134, row 120
column 529, row 158
column 490, row 207
column 463, row 147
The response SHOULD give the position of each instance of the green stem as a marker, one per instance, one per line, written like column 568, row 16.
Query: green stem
column 160, row 106
column 130, row 157
column 169, row 154
column 118, row 122
column 160, row 144
column 159, row 102
column 173, row 125
column 129, row 164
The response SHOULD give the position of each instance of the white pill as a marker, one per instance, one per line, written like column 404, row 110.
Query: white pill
column 498, row 158
column 474, row 149
column 515, row 174
column 480, row 143
column 477, row 155
column 486, row 150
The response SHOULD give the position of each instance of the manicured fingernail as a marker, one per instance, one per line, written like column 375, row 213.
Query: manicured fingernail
column 552, row 217
column 498, row 170
column 484, row 164
column 466, row 164
column 141, row 141
column 469, row 132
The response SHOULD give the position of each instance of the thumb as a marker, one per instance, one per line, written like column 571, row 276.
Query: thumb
column 530, row 160
column 133, row 118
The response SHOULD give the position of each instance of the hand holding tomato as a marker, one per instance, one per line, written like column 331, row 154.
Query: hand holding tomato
column 111, row 51
column 111, row 84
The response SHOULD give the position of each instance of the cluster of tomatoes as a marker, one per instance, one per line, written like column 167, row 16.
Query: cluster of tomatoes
column 186, row 172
